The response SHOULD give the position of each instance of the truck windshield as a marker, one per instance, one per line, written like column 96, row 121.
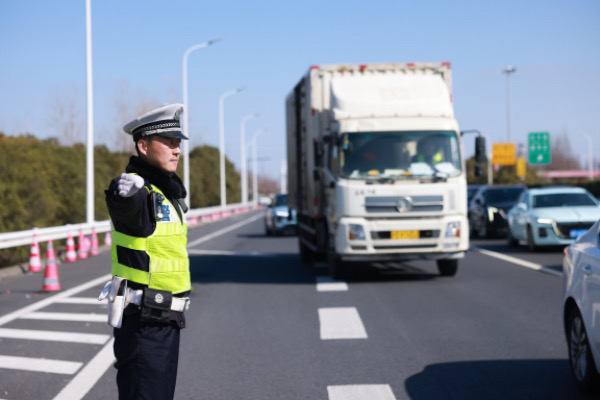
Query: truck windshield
column 399, row 155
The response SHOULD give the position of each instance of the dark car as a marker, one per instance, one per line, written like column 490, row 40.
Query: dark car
column 489, row 207
column 280, row 218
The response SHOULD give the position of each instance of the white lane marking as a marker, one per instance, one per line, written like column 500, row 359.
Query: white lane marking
column 53, row 336
column 53, row 316
column 360, row 392
column 89, row 375
column 341, row 323
column 52, row 299
column 39, row 365
column 82, row 300
column 327, row 284
column 222, row 231
column 231, row 253
column 518, row 261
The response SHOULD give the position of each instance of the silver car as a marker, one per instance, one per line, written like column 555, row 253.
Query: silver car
column 280, row 218
column 581, row 307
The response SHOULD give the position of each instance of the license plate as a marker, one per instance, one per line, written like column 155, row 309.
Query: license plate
column 404, row 234
column 575, row 233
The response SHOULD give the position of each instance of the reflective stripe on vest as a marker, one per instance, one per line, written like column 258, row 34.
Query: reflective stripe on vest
column 166, row 248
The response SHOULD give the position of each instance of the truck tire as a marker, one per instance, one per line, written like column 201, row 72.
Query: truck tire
column 305, row 253
column 447, row 267
column 337, row 268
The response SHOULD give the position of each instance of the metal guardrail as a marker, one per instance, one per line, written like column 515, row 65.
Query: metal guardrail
column 23, row 238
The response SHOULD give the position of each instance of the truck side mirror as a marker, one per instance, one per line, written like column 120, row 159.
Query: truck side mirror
column 480, row 149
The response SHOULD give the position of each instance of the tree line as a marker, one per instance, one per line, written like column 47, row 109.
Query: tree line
column 43, row 183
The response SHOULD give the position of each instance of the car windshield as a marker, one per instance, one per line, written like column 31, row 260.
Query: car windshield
column 280, row 200
column 562, row 200
column 502, row 195
column 471, row 191
column 374, row 155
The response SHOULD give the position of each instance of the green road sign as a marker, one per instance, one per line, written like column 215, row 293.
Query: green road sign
column 539, row 148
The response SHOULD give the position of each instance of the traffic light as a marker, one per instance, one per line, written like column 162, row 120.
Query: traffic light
column 480, row 149
column 478, row 170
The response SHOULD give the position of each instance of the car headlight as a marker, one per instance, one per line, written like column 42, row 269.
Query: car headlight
column 491, row 212
column 545, row 221
column 453, row 230
column 281, row 213
column 356, row 232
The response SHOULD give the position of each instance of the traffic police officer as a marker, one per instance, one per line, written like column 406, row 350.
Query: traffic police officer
column 150, row 264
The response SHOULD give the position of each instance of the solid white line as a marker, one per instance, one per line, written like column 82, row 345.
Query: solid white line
column 341, row 323
column 52, row 299
column 327, row 284
column 518, row 261
column 222, row 231
column 89, row 375
column 39, row 365
column 54, row 336
column 53, row 316
column 82, row 300
column 360, row 392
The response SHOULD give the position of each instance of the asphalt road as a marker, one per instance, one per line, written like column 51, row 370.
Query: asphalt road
column 263, row 326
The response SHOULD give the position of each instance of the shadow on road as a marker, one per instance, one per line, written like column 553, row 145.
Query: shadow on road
column 495, row 380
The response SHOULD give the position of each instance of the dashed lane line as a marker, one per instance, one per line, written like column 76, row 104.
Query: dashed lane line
column 341, row 323
column 360, row 392
column 54, row 336
column 518, row 261
column 39, row 365
column 326, row 284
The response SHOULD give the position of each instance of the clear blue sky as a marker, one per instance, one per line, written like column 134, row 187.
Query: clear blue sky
column 268, row 45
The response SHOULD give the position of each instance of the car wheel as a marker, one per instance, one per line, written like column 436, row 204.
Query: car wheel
column 581, row 360
column 483, row 230
column 530, row 241
column 512, row 242
column 447, row 267
column 267, row 230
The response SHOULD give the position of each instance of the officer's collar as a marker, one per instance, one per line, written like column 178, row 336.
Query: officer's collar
column 168, row 183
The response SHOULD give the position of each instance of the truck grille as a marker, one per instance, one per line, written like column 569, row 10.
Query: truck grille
column 404, row 204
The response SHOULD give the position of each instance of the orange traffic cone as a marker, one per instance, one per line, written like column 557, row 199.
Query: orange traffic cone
column 107, row 239
column 50, row 272
column 81, row 247
column 71, row 255
column 35, row 264
column 94, row 245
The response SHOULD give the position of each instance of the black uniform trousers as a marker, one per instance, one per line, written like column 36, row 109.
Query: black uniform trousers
column 147, row 354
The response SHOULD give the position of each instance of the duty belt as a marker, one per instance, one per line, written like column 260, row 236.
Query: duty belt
column 180, row 304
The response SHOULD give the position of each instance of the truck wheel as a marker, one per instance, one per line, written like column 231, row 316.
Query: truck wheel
column 337, row 268
column 305, row 254
column 447, row 267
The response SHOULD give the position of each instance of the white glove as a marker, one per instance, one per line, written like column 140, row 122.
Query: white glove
column 130, row 184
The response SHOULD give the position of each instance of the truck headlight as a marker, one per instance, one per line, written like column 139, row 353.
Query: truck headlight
column 356, row 232
column 453, row 230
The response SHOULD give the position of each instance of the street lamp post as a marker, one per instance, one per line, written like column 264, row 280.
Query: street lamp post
column 243, row 160
column 508, row 70
column 222, row 143
column 90, row 215
column 254, row 169
column 186, row 113
column 590, row 156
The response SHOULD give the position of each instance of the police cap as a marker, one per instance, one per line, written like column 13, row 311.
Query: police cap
column 163, row 121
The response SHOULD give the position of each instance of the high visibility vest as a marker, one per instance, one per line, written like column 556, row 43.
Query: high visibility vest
column 169, row 267
column 435, row 159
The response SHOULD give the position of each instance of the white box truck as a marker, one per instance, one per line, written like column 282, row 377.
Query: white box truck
column 375, row 165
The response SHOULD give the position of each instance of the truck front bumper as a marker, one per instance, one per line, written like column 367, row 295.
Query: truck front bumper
column 402, row 239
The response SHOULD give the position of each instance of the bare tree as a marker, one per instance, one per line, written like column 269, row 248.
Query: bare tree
column 124, row 111
column 65, row 116
column 563, row 156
